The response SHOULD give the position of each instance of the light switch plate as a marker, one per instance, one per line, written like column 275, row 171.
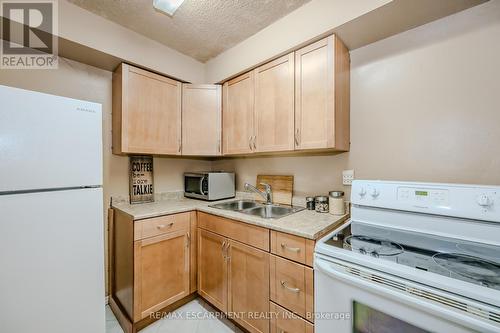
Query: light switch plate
column 347, row 177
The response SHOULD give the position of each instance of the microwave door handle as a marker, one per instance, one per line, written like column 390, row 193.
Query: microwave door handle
column 201, row 185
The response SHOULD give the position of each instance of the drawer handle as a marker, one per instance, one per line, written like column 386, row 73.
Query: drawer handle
column 295, row 290
column 293, row 249
column 161, row 226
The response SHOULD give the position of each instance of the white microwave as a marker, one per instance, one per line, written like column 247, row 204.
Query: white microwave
column 211, row 185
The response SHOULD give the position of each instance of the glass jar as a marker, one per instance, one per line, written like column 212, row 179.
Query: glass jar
column 321, row 204
column 310, row 203
column 337, row 205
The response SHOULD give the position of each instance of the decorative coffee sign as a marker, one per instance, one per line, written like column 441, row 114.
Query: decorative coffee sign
column 141, row 179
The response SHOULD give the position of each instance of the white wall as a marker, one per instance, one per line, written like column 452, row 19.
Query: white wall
column 425, row 106
column 301, row 25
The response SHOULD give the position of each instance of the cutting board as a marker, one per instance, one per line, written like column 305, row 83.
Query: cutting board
column 282, row 187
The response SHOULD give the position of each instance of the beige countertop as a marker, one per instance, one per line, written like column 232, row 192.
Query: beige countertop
column 306, row 223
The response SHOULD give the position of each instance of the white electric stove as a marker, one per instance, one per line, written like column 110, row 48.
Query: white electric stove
column 415, row 257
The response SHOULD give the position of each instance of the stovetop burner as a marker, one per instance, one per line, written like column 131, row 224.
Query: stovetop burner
column 454, row 258
column 372, row 246
column 485, row 272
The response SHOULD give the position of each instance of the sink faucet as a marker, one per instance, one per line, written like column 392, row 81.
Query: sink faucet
column 267, row 194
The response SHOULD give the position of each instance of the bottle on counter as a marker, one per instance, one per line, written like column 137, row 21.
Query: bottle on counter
column 310, row 203
column 337, row 205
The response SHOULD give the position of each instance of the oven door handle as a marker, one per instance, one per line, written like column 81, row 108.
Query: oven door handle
column 405, row 297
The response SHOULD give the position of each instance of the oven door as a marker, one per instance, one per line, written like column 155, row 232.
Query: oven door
column 351, row 298
column 196, row 185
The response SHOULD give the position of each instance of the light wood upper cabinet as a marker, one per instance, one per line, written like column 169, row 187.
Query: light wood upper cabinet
column 212, row 268
column 146, row 112
column 274, row 105
column 248, row 285
column 238, row 115
column 322, row 95
column 201, row 119
column 161, row 270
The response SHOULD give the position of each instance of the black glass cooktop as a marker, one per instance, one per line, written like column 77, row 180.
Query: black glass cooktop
column 463, row 260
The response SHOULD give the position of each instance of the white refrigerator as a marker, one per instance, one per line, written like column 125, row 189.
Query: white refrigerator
column 51, row 214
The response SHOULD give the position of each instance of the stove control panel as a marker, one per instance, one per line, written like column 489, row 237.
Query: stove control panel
column 423, row 196
column 476, row 202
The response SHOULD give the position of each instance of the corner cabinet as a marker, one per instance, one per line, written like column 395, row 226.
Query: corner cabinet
column 201, row 120
column 322, row 99
column 146, row 112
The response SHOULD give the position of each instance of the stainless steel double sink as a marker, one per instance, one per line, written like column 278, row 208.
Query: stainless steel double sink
column 250, row 207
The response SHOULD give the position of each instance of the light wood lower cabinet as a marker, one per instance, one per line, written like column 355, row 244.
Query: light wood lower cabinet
column 248, row 277
column 150, row 263
column 234, row 277
column 292, row 286
column 284, row 321
column 212, row 268
column 159, row 263
column 161, row 270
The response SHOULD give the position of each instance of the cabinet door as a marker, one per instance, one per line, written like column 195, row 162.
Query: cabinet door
column 201, row 119
column 151, row 113
column 212, row 268
column 314, row 99
column 274, row 105
column 161, row 272
column 238, row 115
column 249, row 286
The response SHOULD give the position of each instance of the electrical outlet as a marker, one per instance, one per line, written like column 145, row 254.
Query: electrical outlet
column 347, row 177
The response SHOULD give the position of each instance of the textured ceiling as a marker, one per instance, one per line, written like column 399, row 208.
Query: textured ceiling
column 199, row 28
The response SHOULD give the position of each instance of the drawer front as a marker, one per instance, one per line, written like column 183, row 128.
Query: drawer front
column 245, row 233
column 161, row 225
column 292, row 286
column 285, row 321
column 292, row 247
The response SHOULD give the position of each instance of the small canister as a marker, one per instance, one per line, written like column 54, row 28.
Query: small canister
column 310, row 203
column 321, row 204
column 337, row 205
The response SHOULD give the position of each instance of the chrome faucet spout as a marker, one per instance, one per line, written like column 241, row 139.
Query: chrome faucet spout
column 267, row 194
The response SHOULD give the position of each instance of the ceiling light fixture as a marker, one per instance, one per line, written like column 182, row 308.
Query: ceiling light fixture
column 167, row 6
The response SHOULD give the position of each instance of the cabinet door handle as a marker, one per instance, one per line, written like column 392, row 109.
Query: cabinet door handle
column 223, row 246
column 295, row 290
column 297, row 137
column 188, row 235
column 180, row 146
column 218, row 145
column 254, row 142
column 293, row 249
column 227, row 251
column 250, row 143
column 161, row 226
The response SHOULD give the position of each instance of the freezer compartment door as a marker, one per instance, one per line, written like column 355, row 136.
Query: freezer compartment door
column 48, row 141
column 52, row 262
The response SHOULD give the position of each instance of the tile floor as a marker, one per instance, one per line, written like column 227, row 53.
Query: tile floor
column 194, row 317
